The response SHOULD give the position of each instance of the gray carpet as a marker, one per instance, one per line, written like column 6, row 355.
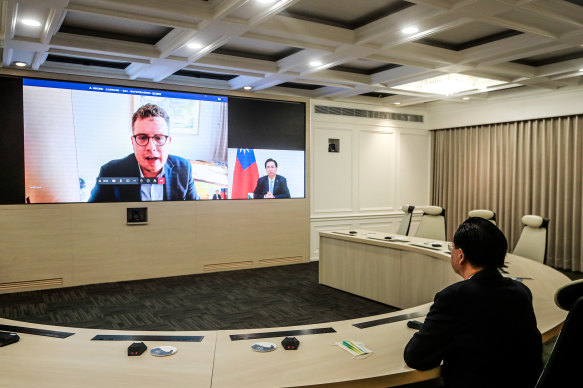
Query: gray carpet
column 267, row 297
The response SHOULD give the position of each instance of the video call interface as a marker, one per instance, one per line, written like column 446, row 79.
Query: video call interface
column 103, row 143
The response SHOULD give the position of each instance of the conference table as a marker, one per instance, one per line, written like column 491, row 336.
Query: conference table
column 401, row 271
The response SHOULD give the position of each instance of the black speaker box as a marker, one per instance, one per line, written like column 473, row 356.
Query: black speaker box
column 7, row 338
column 290, row 343
column 137, row 348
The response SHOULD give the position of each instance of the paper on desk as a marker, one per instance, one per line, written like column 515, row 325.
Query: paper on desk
column 357, row 349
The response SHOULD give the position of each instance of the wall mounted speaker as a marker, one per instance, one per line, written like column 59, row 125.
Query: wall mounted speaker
column 137, row 215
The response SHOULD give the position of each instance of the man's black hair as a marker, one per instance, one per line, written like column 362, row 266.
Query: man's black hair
column 483, row 244
column 270, row 160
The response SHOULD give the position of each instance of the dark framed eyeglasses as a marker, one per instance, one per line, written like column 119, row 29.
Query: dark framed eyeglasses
column 142, row 139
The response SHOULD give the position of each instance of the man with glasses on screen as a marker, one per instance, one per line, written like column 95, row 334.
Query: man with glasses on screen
column 150, row 173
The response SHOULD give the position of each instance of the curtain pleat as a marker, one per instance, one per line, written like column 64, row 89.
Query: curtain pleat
column 514, row 169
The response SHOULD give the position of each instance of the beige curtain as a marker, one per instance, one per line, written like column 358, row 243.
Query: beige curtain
column 526, row 167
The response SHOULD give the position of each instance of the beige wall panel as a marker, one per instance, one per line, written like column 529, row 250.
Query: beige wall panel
column 253, row 230
column 91, row 243
column 413, row 169
column 384, row 225
column 422, row 276
column 332, row 174
column 362, row 269
column 376, row 177
column 181, row 238
column 35, row 243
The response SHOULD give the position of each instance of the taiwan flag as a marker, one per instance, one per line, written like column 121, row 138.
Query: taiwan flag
column 245, row 175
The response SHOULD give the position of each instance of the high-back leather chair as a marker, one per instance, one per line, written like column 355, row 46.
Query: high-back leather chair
column 432, row 224
column 562, row 369
column 406, row 220
column 533, row 239
column 483, row 213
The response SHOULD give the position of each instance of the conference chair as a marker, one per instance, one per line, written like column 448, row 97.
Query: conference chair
column 406, row 220
column 533, row 239
column 562, row 369
column 432, row 224
column 483, row 213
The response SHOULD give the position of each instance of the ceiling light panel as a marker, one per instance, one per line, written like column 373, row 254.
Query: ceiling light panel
column 410, row 30
column 31, row 19
column 449, row 84
column 31, row 22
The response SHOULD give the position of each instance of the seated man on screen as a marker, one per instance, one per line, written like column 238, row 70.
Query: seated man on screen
column 151, row 140
column 483, row 328
column 271, row 185
column 217, row 195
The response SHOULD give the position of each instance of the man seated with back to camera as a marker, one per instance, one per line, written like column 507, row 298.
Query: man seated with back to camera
column 151, row 141
column 483, row 328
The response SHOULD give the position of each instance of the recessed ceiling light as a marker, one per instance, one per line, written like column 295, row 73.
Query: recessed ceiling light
column 465, row 98
column 194, row 45
column 30, row 22
column 266, row 1
column 247, row 87
column 410, row 30
column 397, row 103
column 20, row 64
column 581, row 70
column 315, row 63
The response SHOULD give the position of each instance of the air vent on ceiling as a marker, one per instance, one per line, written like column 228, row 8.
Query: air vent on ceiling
column 371, row 114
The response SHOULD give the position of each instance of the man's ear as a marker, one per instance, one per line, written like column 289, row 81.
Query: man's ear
column 461, row 256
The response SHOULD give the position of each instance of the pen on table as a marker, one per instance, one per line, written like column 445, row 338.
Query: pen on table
column 357, row 347
column 351, row 347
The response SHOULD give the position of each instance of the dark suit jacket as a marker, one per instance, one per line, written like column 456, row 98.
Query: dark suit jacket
column 484, row 330
column 217, row 196
column 177, row 172
column 280, row 189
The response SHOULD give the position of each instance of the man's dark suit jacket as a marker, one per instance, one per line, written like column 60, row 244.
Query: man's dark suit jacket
column 484, row 329
column 177, row 172
column 217, row 196
column 280, row 189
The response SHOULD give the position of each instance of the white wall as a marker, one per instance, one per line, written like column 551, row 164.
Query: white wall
column 382, row 164
column 475, row 112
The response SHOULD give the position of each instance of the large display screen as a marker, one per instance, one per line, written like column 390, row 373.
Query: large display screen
column 103, row 143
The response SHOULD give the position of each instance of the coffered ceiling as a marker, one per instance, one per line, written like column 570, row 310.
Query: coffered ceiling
column 335, row 49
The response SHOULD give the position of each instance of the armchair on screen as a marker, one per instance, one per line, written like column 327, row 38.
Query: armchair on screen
column 533, row 239
column 563, row 367
column 406, row 220
column 432, row 224
column 483, row 213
